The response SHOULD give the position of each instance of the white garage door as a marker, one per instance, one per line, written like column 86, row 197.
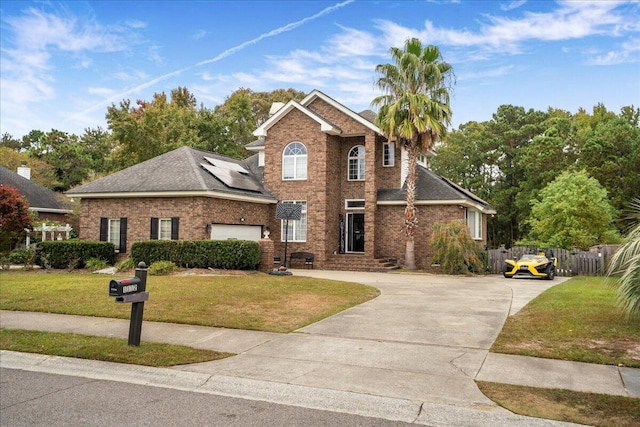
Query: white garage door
column 240, row 232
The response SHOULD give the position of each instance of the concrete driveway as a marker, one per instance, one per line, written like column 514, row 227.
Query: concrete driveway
column 424, row 338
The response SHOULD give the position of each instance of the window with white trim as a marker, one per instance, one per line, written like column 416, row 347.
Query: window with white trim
column 354, row 204
column 114, row 233
column 114, row 230
column 165, row 229
column 388, row 154
column 423, row 160
column 474, row 222
column 294, row 161
column 356, row 163
column 297, row 230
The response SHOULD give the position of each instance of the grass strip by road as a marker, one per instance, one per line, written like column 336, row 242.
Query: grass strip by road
column 577, row 320
column 106, row 349
column 564, row 405
column 255, row 302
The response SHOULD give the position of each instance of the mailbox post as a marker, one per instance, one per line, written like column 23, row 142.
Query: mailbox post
column 132, row 290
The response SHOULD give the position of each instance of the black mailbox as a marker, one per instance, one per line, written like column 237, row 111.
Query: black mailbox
column 120, row 287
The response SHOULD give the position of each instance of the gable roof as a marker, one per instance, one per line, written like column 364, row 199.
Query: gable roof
column 40, row 199
column 315, row 94
column 433, row 189
column 177, row 173
column 325, row 126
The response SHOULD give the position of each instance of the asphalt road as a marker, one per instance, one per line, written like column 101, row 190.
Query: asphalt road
column 40, row 399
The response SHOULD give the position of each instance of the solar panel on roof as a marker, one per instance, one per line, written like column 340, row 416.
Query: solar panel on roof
column 232, row 178
column 226, row 165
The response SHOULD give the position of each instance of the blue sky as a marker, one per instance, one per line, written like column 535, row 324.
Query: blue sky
column 64, row 63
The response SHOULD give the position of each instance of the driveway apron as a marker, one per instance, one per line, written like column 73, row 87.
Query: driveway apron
column 423, row 339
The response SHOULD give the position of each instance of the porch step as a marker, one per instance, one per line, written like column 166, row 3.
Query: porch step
column 357, row 262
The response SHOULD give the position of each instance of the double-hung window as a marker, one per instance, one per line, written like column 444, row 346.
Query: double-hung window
column 114, row 230
column 294, row 161
column 297, row 229
column 474, row 222
column 356, row 163
column 164, row 228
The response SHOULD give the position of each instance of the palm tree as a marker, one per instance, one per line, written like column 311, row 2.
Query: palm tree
column 414, row 111
column 626, row 263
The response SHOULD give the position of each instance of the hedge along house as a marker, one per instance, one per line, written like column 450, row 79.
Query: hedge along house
column 318, row 153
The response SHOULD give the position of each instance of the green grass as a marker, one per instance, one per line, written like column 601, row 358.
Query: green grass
column 256, row 302
column 570, row 406
column 104, row 348
column 577, row 320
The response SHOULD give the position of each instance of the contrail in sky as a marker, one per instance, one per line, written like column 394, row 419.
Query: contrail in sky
column 222, row 55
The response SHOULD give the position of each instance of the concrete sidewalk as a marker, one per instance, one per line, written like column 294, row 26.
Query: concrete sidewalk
column 419, row 346
column 500, row 368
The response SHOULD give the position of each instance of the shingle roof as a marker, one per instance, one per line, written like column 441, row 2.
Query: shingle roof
column 433, row 187
column 176, row 171
column 368, row 115
column 39, row 197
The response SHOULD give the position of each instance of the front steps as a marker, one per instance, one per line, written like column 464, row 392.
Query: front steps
column 358, row 262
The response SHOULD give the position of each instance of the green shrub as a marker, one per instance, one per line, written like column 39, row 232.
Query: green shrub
column 125, row 265
column 162, row 268
column 227, row 254
column 455, row 250
column 73, row 253
column 21, row 256
column 94, row 264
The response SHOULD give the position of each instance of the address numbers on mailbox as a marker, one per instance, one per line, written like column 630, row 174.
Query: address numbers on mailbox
column 120, row 287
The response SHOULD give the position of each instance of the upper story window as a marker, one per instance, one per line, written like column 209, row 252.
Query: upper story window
column 474, row 222
column 423, row 160
column 294, row 161
column 356, row 163
column 388, row 154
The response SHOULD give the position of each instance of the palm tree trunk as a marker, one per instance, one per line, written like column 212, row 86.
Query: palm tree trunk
column 410, row 218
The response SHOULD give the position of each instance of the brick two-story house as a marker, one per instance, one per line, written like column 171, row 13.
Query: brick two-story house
column 317, row 153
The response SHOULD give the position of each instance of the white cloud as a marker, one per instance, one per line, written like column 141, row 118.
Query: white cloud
column 102, row 91
column 628, row 51
column 352, row 42
column 498, row 34
column 512, row 5
column 199, row 34
column 33, row 40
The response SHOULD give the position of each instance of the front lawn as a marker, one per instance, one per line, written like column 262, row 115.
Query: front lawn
column 577, row 320
column 257, row 301
column 107, row 349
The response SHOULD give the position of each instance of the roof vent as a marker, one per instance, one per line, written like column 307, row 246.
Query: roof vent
column 24, row 171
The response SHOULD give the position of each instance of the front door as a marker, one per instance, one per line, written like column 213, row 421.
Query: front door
column 355, row 232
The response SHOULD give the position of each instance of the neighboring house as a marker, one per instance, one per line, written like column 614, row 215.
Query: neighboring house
column 318, row 153
column 48, row 204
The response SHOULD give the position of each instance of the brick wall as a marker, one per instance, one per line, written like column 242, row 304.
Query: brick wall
column 194, row 213
column 391, row 238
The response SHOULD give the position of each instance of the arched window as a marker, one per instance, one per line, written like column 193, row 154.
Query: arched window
column 294, row 161
column 356, row 163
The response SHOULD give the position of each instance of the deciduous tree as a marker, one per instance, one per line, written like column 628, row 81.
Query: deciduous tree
column 14, row 216
column 573, row 212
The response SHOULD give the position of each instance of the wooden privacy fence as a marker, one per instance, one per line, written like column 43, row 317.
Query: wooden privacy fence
column 570, row 263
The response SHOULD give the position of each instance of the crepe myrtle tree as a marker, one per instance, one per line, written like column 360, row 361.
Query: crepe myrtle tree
column 414, row 110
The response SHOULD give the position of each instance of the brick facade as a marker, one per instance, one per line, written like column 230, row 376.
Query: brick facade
column 325, row 191
column 194, row 213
